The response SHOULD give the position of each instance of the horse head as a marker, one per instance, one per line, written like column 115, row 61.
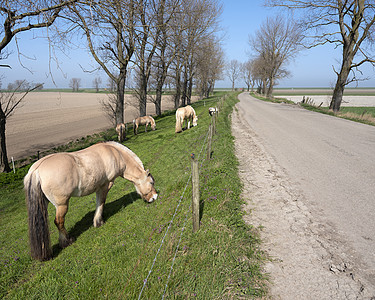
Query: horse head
column 145, row 187
column 195, row 120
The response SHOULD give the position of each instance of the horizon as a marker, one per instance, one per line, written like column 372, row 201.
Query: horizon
column 312, row 68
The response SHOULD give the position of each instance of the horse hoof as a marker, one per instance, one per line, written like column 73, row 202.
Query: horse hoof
column 67, row 242
column 98, row 223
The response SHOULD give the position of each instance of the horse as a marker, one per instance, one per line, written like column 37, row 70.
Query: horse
column 58, row 177
column 213, row 110
column 185, row 113
column 146, row 120
column 121, row 131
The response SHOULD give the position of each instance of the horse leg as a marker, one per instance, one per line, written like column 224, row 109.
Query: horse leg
column 188, row 123
column 146, row 127
column 101, row 196
column 64, row 239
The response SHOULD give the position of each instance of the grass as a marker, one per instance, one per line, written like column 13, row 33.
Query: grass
column 222, row 260
column 365, row 115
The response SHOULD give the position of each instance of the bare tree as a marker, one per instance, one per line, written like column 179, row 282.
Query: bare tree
column 210, row 66
column 9, row 102
column 348, row 24
column 24, row 15
column 20, row 16
column 233, row 71
column 96, row 83
column 276, row 42
column 165, row 52
column 75, row 83
column 249, row 74
column 109, row 27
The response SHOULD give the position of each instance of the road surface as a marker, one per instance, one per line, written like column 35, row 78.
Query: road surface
column 310, row 182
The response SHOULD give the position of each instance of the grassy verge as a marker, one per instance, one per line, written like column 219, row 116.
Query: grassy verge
column 221, row 260
column 364, row 115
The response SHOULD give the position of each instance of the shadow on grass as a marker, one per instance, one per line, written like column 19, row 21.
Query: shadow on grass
column 110, row 209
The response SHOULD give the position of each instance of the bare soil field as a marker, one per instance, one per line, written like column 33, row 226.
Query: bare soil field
column 325, row 100
column 49, row 119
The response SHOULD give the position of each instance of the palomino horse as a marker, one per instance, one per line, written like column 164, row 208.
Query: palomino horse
column 121, row 132
column 57, row 177
column 185, row 113
column 143, row 121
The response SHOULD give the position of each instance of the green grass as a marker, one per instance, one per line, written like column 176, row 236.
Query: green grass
column 222, row 260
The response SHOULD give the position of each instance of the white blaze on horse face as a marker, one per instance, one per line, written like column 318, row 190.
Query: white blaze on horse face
column 145, row 188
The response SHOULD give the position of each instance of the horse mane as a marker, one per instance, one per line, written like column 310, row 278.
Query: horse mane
column 127, row 150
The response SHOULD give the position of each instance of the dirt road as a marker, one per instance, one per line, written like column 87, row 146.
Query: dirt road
column 49, row 119
column 309, row 184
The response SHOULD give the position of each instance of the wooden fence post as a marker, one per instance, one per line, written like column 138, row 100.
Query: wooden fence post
column 209, row 141
column 214, row 123
column 195, row 196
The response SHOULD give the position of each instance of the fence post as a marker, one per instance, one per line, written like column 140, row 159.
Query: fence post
column 209, row 141
column 195, row 196
column 214, row 123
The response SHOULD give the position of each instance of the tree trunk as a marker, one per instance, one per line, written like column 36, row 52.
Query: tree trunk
column 120, row 99
column 142, row 95
column 4, row 164
column 270, row 88
column 189, row 90
column 341, row 81
column 159, row 93
column 178, row 91
column 184, row 88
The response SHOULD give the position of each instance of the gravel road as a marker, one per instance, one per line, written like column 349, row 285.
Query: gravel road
column 309, row 184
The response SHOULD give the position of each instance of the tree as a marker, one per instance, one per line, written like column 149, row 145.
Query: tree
column 249, row 74
column 276, row 43
column 20, row 16
column 233, row 71
column 8, row 104
column 109, row 27
column 96, row 83
column 75, row 83
column 347, row 24
column 24, row 15
column 210, row 65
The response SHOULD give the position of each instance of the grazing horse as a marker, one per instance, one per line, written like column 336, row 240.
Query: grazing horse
column 213, row 110
column 57, row 177
column 143, row 121
column 121, row 131
column 185, row 113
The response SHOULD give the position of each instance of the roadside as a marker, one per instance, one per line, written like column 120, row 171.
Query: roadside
column 307, row 258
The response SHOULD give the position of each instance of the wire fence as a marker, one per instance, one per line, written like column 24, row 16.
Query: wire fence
column 204, row 146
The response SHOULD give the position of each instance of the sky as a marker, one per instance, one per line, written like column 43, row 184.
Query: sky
column 240, row 18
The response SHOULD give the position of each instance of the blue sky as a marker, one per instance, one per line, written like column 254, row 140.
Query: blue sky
column 311, row 68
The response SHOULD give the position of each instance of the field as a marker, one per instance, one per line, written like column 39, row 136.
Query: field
column 144, row 250
column 49, row 119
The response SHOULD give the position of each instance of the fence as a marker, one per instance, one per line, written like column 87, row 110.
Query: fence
column 195, row 204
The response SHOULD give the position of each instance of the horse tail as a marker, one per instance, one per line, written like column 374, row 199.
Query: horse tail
column 178, row 122
column 37, row 203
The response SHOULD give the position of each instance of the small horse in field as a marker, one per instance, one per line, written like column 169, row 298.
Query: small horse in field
column 146, row 120
column 57, row 177
column 121, row 132
column 213, row 110
column 185, row 113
